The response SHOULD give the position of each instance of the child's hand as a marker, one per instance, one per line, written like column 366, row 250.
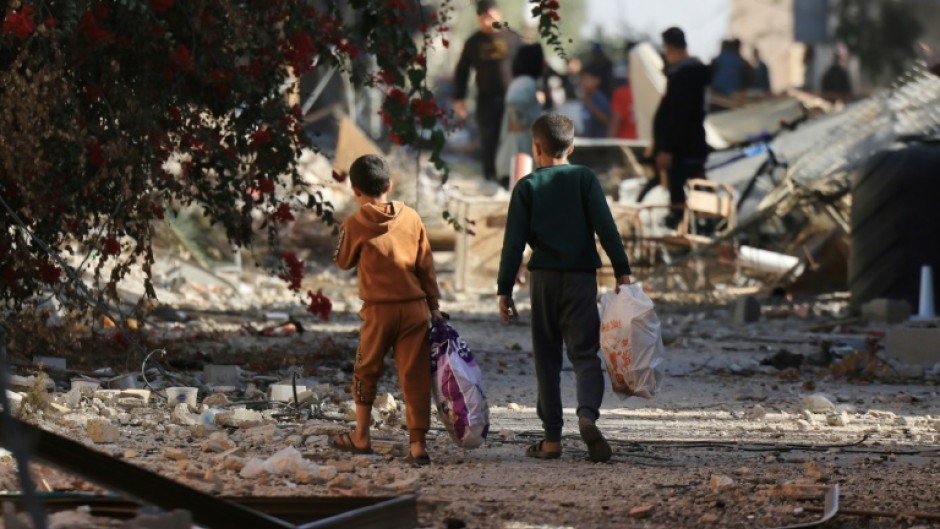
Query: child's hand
column 507, row 309
column 437, row 316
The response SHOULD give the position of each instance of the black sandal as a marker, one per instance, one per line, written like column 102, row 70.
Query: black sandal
column 536, row 451
column 598, row 449
column 419, row 461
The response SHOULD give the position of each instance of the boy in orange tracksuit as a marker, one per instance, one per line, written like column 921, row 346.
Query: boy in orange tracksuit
column 389, row 245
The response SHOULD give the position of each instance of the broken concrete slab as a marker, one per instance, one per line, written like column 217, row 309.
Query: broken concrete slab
column 914, row 343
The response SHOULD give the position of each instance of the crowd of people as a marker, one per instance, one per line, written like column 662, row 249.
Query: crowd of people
column 513, row 90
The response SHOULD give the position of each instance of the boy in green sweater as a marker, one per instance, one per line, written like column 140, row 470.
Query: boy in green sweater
column 557, row 210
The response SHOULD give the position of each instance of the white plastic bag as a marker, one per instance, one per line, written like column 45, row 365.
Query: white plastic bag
column 631, row 342
column 457, row 388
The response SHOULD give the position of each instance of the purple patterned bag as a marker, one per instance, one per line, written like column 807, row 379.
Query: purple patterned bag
column 457, row 388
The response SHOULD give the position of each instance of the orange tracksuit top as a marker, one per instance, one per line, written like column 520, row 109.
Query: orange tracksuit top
column 390, row 246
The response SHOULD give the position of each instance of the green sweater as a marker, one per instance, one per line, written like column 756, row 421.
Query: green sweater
column 557, row 210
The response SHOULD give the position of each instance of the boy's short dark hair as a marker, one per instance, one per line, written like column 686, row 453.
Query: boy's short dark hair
column 554, row 132
column 674, row 37
column 369, row 174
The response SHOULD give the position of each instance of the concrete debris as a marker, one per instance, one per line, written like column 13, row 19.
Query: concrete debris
column 818, row 403
column 238, row 417
column 71, row 519
column 720, row 483
column 289, row 463
column 838, row 419
column 183, row 417
column 756, row 412
column 385, row 403
column 708, row 519
column 101, row 431
column 218, row 442
column 216, row 400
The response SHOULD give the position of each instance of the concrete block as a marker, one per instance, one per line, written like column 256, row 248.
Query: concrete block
column 886, row 310
column 746, row 310
column 917, row 344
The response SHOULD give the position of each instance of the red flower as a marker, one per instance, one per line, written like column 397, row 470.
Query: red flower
column 421, row 60
column 338, row 176
column 299, row 52
column 50, row 22
column 445, row 42
column 388, row 76
column 182, row 58
column 283, row 214
column 398, row 4
column 49, row 273
column 112, row 246
column 261, row 137
column 266, row 186
column 89, row 26
column 293, row 272
column 551, row 4
column 348, row 48
column 554, row 16
column 399, row 97
column 396, row 139
column 161, row 5
column 93, row 152
column 320, row 305
column 424, row 108
column 157, row 211
column 20, row 25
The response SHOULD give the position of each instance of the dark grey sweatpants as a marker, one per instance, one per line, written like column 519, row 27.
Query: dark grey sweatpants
column 564, row 311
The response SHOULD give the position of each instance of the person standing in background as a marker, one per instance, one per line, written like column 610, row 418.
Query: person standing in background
column 761, row 80
column 836, row 83
column 679, row 124
column 728, row 71
column 622, row 117
column 489, row 52
column 523, row 107
column 595, row 107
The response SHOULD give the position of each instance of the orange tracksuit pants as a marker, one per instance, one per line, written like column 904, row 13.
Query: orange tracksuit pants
column 403, row 328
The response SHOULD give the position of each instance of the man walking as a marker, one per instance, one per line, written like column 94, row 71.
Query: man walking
column 489, row 52
column 679, row 124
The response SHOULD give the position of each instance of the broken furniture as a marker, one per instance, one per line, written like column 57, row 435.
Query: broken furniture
column 709, row 208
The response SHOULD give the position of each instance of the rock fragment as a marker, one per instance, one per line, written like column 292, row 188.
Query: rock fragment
column 101, row 431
